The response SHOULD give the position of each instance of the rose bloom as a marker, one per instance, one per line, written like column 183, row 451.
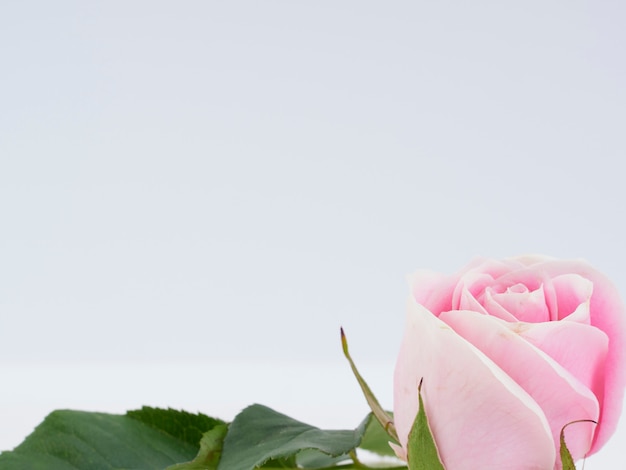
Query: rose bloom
column 510, row 352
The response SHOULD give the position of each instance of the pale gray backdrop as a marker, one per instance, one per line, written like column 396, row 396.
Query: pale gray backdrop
column 232, row 181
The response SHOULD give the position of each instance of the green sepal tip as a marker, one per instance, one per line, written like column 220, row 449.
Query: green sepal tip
column 379, row 412
column 422, row 451
column 566, row 457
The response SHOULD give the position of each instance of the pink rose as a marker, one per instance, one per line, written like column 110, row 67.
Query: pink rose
column 510, row 352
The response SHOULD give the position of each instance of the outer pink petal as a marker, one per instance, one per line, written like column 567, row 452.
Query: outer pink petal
column 572, row 290
column 480, row 418
column 580, row 349
column 435, row 290
column 494, row 267
column 607, row 312
column 561, row 396
column 529, row 260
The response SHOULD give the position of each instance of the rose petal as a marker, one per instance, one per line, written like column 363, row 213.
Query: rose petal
column 494, row 267
column 607, row 312
column 529, row 306
column 581, row 349
column 533, row 280
column 582, row 314
column 467, row 301
column 480, row 418
column 529, row 260
column 571, row 291
column 432, row 289
column 578, row 348
column 494, row 308
column 562, row 397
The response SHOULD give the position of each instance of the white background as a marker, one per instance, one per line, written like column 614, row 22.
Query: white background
column 194, row 196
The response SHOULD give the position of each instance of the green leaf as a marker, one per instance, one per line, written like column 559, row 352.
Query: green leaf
column 311, row 458
column 210, row 451
column 187, row 427
column 422, row 451
column 376, row 438
column 71, row 440
column 259, row 434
